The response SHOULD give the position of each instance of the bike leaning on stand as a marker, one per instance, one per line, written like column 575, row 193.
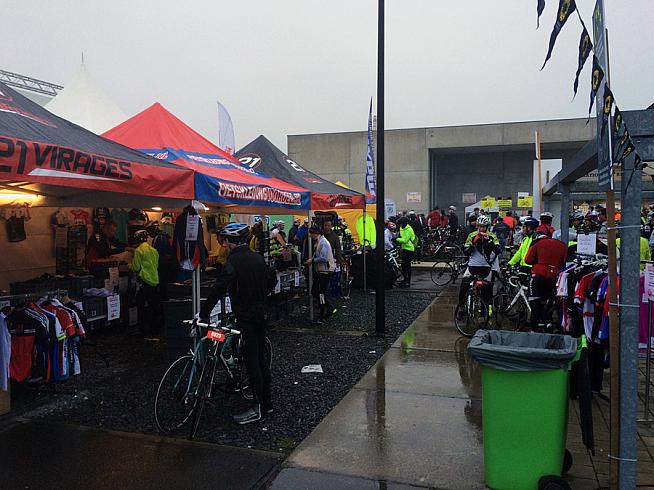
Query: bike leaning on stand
column 216, row 363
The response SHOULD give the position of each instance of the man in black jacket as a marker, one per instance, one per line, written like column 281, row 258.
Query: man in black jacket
column 249, row 281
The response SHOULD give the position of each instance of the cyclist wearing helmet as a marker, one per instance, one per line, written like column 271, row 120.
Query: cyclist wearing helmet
column 146, row 266
column 545, row 226
column 575, row 224
column 529, row 226
column 249, row 281
column 546, row 258
column 453, row 221
column 484, row 250
column 389, row 236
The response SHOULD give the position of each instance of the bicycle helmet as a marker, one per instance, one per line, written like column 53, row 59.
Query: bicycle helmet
column 141, row 236
column 235, row 232
column 483, row 220
column 577, row 215
column 531, row 222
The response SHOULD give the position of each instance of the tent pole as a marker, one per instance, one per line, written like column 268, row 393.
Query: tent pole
column 309, row 252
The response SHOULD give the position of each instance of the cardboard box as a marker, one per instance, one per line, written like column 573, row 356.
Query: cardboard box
column 5, row 401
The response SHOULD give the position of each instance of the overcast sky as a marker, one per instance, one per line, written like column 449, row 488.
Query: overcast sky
column 307, row 66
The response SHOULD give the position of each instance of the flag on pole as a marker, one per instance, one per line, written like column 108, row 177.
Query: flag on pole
column 225, row 130
column 608, row 105
column 539, row 9
column 371, row 186
column 566, row 8
column 585, row 48
column 596, row 80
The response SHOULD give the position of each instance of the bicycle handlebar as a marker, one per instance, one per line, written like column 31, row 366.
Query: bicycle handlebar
column 217, row 327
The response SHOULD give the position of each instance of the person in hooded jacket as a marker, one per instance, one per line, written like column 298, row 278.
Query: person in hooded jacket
column 407, row 240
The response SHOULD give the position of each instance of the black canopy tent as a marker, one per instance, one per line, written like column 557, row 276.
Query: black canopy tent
column 264, row 157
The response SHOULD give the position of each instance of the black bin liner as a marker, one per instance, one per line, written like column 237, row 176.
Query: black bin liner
column 522, row 351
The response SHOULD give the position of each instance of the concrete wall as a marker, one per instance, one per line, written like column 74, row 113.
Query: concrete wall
column 501, row 154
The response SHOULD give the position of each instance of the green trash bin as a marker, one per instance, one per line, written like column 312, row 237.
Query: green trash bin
column 524, row 405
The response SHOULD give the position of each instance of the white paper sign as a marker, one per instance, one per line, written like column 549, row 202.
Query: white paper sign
column 133, row 316
column 79, row 305
column 192, row 226
column 297, row 279
column 649, row 282
column 311, row 368
column 113, row 307
column 586, row 244
column 278, row 287
column 113, row 275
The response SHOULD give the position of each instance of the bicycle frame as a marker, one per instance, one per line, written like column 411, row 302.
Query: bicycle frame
column 520, row 295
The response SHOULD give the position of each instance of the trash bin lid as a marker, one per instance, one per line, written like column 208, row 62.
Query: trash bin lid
column 522, row 351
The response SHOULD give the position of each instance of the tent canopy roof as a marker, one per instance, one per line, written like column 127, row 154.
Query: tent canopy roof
column 50, row 155
column 262, row 156
column 84, row 103
column 220, row 179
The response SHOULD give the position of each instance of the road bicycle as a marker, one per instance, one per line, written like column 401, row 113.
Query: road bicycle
column 393, row 261
column 345, row 279
column 446, row 271
column 512, row 308
column 475, row 309
column 215, row 364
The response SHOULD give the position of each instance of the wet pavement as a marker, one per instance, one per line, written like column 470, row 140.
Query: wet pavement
column 414, row 421
column 50, row 455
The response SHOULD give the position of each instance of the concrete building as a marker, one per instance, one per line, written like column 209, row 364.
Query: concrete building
column 443, row 166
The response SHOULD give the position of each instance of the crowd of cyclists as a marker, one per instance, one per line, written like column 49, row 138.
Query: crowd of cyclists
column 528, row 245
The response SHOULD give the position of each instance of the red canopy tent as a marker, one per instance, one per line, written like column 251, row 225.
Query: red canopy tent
column 219, row 177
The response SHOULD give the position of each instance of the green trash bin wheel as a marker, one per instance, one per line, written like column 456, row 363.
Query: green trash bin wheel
column 553, row 482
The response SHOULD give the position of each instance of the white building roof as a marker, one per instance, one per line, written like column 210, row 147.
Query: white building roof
column 84, row 103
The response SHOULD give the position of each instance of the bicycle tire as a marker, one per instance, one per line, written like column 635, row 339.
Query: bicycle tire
column 203, row 390
column 246, row 389
column 442, row 273
column 179, row 390
column 469, row 325
column 517, row 315
column 345, row 283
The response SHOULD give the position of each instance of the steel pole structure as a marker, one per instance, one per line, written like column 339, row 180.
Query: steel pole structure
column 380, row 313
column 564, row 189
column 629, row 313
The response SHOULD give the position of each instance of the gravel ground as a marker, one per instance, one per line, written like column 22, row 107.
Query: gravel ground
column 120, row 395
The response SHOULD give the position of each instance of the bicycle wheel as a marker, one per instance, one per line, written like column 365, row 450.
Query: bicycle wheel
column 203, row 391
column 176, row 395
column 246, row 389
column 345, row 282
column 442, row 273
column 515, row 316
column 475, row 316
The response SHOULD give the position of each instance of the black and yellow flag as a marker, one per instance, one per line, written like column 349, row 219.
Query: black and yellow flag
column 628, row 150
column 597, row 75
column 608, row 105
column 566, row 8
column 585, row 48
column 539, row 9
column 617, row 121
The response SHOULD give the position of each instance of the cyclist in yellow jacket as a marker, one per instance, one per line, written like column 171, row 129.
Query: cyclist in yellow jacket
column 528, row 229
column 146, row 266
column 407, row 240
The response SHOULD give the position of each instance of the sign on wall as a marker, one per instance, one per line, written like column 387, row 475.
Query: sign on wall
column 504, row 203
column 414, row 197
column 488, row 202
column 469, row 197
column 525, row 201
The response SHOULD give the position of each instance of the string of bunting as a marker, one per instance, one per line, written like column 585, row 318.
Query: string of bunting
column 623, row 146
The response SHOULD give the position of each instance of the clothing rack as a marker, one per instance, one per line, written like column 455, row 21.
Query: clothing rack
column 15, row 299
